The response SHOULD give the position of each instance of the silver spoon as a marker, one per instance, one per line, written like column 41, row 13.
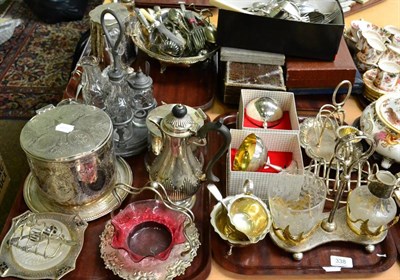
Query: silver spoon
column 217, row 194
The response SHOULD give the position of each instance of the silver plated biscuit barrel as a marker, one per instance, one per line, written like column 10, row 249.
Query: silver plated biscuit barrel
column 70, row 153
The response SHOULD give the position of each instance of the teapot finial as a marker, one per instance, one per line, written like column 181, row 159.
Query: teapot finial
column 179, row 111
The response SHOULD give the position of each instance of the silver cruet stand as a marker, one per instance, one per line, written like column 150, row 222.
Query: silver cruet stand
column 130, row 135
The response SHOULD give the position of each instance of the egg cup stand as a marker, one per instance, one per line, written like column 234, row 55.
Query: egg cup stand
column 269, row 258
column 337, row 223
column 321, row 236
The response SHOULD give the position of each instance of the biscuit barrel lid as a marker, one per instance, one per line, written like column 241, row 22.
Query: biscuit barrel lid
column 66, row 132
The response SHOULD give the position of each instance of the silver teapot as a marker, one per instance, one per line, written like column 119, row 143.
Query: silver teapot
column 177, row 167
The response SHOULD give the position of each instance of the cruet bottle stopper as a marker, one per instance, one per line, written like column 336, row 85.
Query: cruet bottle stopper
column 371, row 209
column 141, row 95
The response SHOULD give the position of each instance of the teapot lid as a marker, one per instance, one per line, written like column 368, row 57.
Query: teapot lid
column 178, row 123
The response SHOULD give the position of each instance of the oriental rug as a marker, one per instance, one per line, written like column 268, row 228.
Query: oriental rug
column 35, row 64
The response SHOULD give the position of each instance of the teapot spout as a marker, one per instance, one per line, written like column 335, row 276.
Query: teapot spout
column 156, row 141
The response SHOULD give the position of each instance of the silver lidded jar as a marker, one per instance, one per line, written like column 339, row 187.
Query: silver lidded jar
column 70, row 153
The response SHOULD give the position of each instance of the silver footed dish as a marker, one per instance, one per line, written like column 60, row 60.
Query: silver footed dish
column 149, row 268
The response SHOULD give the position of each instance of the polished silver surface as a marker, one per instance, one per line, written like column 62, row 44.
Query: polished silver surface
column 39, row 203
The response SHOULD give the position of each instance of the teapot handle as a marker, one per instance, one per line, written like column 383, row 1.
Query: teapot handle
column 202, row 133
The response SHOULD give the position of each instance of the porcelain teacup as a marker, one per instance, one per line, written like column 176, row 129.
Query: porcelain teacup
column 391, row 30
column 396, row 40
column 392, row 54
column 387, row 76
column 359, row 25
column 371, row 51
column 368, row 34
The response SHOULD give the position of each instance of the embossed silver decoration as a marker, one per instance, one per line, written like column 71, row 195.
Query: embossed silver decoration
column 70, row 153
column 38, row 202
column 176, row 166
column 42, row 245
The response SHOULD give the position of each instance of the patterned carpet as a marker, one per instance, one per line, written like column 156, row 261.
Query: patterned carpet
column 35, row 64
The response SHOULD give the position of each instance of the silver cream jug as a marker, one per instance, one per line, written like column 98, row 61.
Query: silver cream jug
column 177, row 167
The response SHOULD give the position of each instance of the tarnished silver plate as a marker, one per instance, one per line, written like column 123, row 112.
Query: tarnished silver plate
column 42, row 245
column 37, row 202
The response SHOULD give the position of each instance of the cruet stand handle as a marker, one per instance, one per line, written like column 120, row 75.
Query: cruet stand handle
column 117, row 67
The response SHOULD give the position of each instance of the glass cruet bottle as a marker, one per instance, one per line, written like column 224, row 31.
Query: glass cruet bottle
column 141, row 95
column 118, row 108
column 371, row 209
column 92, row 82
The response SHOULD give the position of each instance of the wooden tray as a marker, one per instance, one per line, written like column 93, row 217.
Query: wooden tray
column 194, row 86
column 359, row 7
column 91, row 266
column 396, row 236
column 267, row 258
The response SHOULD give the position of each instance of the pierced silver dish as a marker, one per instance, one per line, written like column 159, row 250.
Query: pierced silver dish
column 42, row 245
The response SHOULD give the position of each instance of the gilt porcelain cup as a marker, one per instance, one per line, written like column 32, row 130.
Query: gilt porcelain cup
column 387, row 76
column 365, row 35
column 371, row 51
column 396, row 41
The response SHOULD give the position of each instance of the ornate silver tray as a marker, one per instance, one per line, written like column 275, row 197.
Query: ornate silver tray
column 38, row 203
column 42, row 245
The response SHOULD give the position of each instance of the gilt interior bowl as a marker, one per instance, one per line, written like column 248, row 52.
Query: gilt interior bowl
column 251, row 155
column 250, row 215
column 251, row 218
column 221, row 223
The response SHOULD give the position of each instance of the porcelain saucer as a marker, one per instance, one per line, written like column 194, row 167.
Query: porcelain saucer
column 372, row 92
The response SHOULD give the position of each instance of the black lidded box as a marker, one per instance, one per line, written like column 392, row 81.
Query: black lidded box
column 289, row 37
